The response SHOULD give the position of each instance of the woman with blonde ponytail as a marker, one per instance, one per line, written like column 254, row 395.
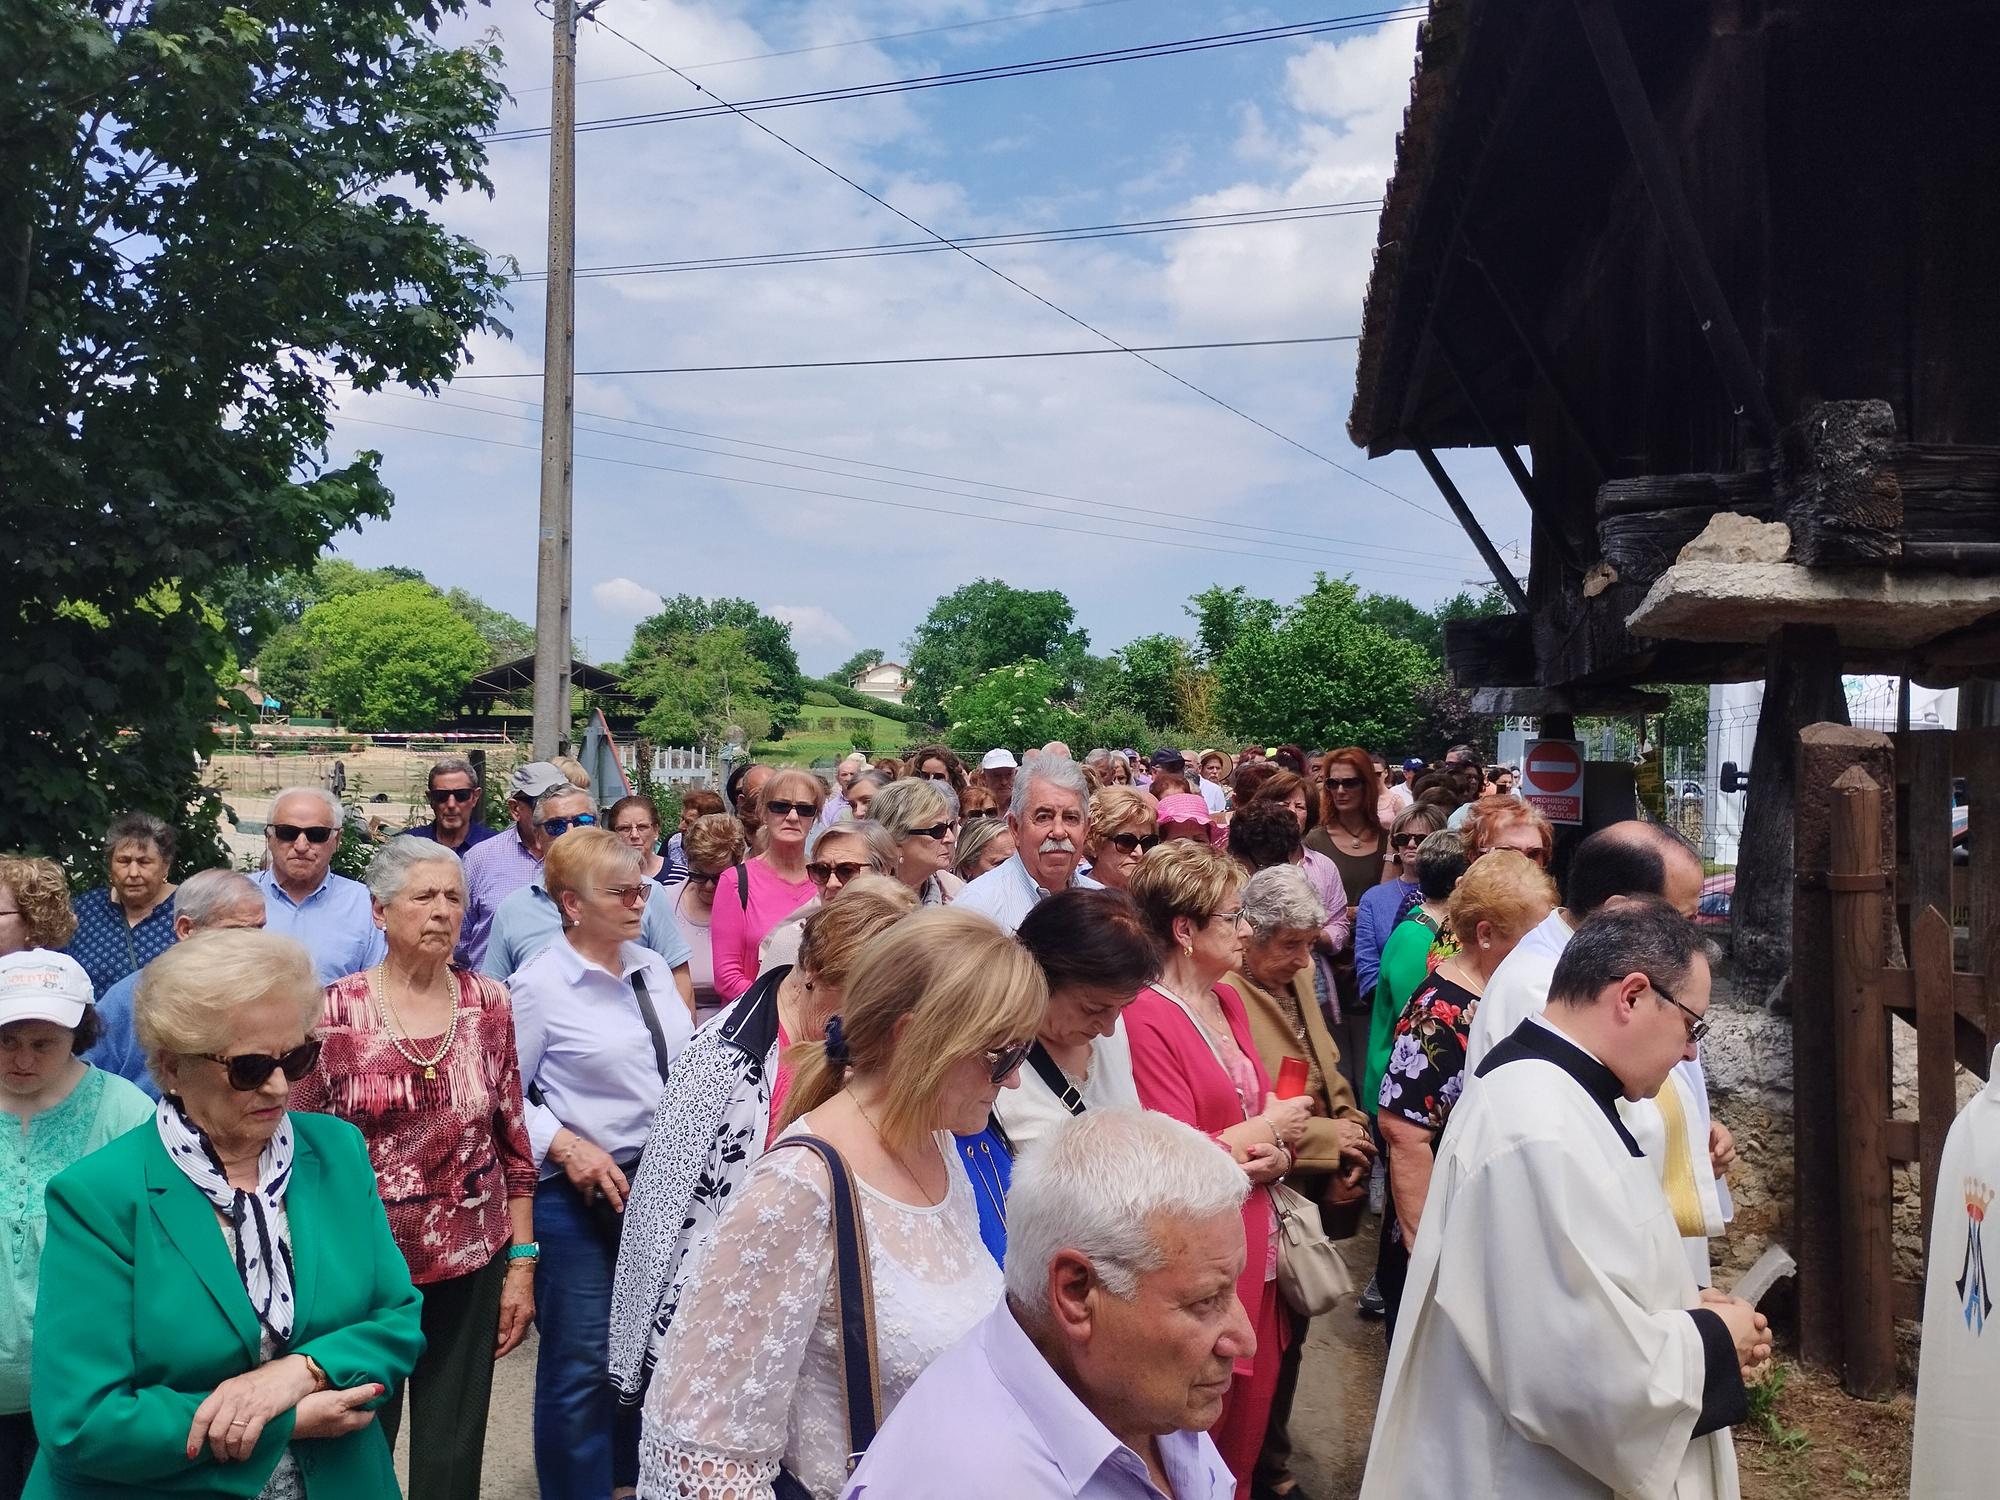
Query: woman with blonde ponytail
column 936, row 1016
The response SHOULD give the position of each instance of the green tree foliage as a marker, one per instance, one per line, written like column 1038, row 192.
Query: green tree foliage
column 205, row 213
column 1017, row 705
column 1223, row 615
column 1318, row 673
column 861, row 661
column 1153, row 679
column 389, row 658
column 696, row 685
column 988, row 624
column 507, row 638
column 768, row 640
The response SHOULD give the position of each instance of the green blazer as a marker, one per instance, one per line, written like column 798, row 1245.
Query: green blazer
column 141, row 1314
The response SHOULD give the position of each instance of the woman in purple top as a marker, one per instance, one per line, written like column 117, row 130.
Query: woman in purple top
column 761, row 892
column 1387, row 904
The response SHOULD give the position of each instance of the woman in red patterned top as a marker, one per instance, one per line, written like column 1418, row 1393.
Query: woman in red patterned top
column 419, row 1055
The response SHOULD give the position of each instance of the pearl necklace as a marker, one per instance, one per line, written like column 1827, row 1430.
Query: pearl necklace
column 409, row 1054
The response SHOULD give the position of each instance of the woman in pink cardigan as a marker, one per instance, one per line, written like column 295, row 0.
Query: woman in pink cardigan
column 1193, row 1058
column 761, row 892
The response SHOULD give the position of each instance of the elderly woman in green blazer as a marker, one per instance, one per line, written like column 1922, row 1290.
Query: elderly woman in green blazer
column 222, row 1307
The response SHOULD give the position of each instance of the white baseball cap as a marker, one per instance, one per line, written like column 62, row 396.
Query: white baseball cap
column 39, row 984
column 999, row 759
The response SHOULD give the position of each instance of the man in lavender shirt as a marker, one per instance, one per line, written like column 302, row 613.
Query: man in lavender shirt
column 1099, row 1374
column 504, row 863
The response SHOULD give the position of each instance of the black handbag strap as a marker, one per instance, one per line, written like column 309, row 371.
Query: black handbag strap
column 1050, row 1072
column 854, row 1301
column 743, row 886
column 645, row 997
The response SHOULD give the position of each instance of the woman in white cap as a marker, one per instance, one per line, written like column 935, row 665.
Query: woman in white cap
column 61, row 1109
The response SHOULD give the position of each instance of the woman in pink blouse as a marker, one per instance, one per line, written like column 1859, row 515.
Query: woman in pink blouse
column 761, row 892
column 1193, row 1058
column 419, row 1055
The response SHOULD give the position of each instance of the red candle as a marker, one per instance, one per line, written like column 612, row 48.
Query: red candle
column 1291, row 1078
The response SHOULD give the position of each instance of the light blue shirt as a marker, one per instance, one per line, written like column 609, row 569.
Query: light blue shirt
column 118, row 1050
column 581, row 1037
column 528, row 921
column 1007, row 893
column 990, row 1417
column 335, row 923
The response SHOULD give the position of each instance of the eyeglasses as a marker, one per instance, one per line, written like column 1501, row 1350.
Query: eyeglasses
column 846, row 870
column 1408, row 840
column 1343, row 783
column 453, row 794
column 1697, row 1025
column 1538, row 854
column 1003, row 1060
column 1132, row 843
column 983, row 812
column 935, row 831
column 630, row 896
column 555, row 828
column 704, row 877
column 637, row 828
column 288, row 833
column 248, row 1070
column 778, row 807
column 1227, row 916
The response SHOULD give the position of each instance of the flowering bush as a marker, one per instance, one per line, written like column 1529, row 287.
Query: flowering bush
column 1016, row 706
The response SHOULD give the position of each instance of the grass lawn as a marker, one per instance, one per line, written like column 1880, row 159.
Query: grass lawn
column 827, row 733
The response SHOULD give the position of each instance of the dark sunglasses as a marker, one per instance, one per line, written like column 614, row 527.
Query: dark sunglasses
column 983, row 812
column 846, row 870
column 778, row 807
column 1697, row 1025
column 1408, row 840
column 1343, row 783
column 1004, row 1060
column 555, row 828
column 454, row 794
column 248, row 1070
column 1131, row 843
column 288, row 833
column 697, row 877
column 935, row 831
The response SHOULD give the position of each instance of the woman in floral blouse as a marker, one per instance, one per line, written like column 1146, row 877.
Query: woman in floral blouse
column 1496, row 902
column 419, row 1054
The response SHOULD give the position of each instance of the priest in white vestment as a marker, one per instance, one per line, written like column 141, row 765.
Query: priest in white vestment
column 1553, row 1344
column 1687, row 1147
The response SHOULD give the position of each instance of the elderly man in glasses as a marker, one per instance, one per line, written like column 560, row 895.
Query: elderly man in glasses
column 529, row 920
column 303, row 899
column 453, row 790
column 503, row 864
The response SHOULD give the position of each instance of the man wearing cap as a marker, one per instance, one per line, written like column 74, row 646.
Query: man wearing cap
column 1413, row 767
column 997, row 767
column 328, row 914
column 508, row 861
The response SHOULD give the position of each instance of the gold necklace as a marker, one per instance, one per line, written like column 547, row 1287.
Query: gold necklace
column 410, row 1054
column 915, row 1181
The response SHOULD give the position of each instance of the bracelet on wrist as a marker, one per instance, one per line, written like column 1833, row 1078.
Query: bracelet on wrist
column 525, row 1253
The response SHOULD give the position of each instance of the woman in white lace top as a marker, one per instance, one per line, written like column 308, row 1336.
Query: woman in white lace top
column 937, row 1015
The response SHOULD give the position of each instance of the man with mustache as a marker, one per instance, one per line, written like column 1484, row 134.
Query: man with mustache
column 1049, row 816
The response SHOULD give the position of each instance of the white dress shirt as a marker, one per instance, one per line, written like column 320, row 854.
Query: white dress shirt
column 1007, row 893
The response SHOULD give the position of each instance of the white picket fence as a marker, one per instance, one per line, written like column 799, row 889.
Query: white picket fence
column 673, row 764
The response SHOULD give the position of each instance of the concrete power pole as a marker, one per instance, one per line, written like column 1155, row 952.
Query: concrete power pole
column 553, row 578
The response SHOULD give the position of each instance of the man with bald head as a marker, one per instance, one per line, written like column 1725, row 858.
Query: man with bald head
column 1614, row 866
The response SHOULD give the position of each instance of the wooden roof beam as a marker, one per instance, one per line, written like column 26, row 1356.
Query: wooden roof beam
column 1537, row 350
column 1509, row 584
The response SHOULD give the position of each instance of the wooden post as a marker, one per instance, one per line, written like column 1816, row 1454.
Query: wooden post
column 1856, row 886
column 1937, row 1024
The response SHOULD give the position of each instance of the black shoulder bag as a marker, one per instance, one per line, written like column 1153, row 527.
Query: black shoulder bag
column 1050, row 1072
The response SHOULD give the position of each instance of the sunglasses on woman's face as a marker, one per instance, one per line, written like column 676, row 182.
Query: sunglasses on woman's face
column 248, row 1070
column 982, row 812
column 1343, row 783
column 846, row 870
column 1004, row 1060
column 1132, row 843
column 702, row 877
column 1408, row 840
column 935, row 831
column 778, row 807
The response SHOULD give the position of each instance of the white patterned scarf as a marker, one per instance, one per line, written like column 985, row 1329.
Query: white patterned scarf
column 263, row 1259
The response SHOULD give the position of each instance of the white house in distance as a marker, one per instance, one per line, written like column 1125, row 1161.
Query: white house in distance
column 886, row 680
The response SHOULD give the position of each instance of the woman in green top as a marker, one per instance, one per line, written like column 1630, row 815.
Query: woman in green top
column 60, row 1110
column 1406, row 957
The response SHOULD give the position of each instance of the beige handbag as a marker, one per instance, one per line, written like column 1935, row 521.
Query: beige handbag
column 1311, row 1274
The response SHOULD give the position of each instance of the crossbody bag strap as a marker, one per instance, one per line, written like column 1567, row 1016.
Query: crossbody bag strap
column 1050, row 1072
column 661, row 1056
column 743, row 886
column 854, row 1301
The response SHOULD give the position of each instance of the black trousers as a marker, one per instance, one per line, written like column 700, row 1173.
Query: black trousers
column 452, row 1385
column 17, row 1453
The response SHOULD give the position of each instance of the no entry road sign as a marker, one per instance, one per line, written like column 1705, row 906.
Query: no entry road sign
column 1552, row 779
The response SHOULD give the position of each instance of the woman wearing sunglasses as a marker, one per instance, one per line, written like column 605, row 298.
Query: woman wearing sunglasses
column 768, row 887
column 1123, row 826
column 922, row 817
column 226, row 1290
column 419, row 1054
column 1382, row 906
column 838, row 855
column 713, row 845
column 937, row 1015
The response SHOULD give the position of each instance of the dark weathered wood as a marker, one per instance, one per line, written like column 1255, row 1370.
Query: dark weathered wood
column 1900, row 1140
column 1534, row 703
column 1937, row 1026
column 1469, row 523
column 1837, row 485
column 1927, row 817
column 1497, row 651
column 1976, row 757
column 1552, row 380
column 1857, row 890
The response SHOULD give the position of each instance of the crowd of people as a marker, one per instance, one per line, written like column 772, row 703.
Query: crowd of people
column 925, row 1129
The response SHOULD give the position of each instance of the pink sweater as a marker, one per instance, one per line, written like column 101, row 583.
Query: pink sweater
column 736, row 928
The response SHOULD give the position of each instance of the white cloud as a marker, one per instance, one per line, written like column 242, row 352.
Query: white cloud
column 624, row 599
column 813, row 625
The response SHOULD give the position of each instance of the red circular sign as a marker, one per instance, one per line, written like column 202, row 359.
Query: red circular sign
column 1553, row 767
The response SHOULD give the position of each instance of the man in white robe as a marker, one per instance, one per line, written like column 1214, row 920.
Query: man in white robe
column 1686, row 1145
column 1553, row 1344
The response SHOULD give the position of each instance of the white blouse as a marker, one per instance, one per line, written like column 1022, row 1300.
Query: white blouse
column 1033, row 1110
column 749, row 1375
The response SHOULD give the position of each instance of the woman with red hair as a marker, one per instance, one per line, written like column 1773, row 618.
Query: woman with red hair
column 1504, row 822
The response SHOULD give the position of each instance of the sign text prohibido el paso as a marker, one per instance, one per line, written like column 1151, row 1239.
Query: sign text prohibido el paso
column 1552, row 779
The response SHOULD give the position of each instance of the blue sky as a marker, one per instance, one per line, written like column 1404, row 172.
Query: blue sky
column 1101, row 445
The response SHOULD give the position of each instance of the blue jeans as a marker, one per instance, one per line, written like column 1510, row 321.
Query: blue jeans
column 586, row 1442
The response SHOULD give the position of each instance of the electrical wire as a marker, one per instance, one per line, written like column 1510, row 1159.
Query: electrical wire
column 1242, row 218
column 1028, row 291
column 934, row 359
column 1146, row 52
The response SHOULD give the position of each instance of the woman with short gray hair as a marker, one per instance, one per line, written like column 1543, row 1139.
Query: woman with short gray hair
column 126, row 923
column 419, row 1054
column 922, row 817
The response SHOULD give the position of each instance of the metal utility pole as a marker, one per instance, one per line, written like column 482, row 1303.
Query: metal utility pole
column 552, row 549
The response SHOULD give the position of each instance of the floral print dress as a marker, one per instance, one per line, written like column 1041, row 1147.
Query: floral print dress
column 1426, row 1071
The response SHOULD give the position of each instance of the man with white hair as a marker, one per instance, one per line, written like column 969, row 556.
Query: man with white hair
column 1100, row 1373
column 303, row 899
column 1049, row 816
column 212, row 899
column 843, row 776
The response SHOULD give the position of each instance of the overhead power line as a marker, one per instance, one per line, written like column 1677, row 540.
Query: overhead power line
column 1292, row 31
column 935, row 359
column 1241, row 218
